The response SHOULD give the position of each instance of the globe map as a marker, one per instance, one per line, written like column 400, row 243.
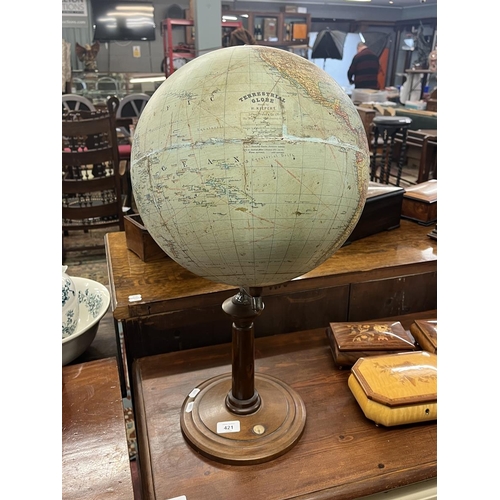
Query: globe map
column 250, row 166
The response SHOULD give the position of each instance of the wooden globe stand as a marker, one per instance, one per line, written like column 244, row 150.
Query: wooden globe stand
column 243, row 418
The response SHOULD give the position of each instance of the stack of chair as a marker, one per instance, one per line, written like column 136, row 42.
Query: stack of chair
column 91, row 182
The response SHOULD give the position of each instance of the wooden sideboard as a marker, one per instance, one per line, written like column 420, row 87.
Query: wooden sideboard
column 161, row 307
column 95, row 457
column 340, row 455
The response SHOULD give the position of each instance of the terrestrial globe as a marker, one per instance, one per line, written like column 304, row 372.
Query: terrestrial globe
column 249, row 167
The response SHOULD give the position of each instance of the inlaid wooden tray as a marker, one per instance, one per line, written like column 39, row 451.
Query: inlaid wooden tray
column 396, row 389
column 425, row 333
column 351, row 341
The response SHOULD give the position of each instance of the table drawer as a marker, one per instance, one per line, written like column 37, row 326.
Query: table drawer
column 393, row 297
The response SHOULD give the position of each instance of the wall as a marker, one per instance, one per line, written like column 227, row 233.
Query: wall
column 119, row 57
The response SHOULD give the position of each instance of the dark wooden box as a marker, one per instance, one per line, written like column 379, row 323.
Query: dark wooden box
column 382, row 211
column 420, row 203
column 351, row 341
column 425, row 333
column 140, row 241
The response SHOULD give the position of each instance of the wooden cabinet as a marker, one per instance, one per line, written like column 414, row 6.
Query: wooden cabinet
column 276, row 29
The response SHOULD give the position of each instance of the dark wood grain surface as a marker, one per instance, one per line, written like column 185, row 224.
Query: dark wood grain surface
column 341, row 454
column 95, row 458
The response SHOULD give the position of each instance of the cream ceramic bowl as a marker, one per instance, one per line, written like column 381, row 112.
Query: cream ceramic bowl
column 93, row 300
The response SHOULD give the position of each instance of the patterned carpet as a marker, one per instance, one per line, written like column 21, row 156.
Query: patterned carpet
column 87, row 263
column 91, row 264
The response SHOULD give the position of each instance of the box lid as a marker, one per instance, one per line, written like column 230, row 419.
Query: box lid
column 377, row 189
column 428, row 328
column 372, row 336
column 425, row 191
column 398, row 379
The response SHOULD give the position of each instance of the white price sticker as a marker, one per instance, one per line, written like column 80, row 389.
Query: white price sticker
column 225, row 427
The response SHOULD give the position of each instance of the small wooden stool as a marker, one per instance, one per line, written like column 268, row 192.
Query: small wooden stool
column 386, row 127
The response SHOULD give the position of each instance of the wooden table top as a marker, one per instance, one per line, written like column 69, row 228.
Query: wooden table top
column 95, row 458
column 164, row 285
column 341, row 454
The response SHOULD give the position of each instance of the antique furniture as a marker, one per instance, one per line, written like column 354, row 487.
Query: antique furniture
column 382, row 211
column 341, row 454
column 383, row 155
column 132, row 105
column 76, row 102
column 159, row 306
column 428, row 165
column 351, row 341
column 420, row 203
column 108, row 84
column 396, row 389
column 425, row 333
column 367, row 114
column 140, row 241
column 421, row 145
column 91, row 185
column 95, row 458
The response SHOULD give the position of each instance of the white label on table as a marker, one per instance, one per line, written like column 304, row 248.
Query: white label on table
column 194, row 392
column 135, row 298
column 225, row 427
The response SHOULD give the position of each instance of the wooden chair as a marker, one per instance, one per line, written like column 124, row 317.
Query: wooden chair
column 425, row 143
column 91, row 183
column 386, row 128
column 76, row 102
column 132, row 105
column 107, row 84
column 79, row 84
column 428, row 160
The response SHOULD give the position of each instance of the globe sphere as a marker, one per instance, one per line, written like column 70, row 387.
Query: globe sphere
column 250, row 166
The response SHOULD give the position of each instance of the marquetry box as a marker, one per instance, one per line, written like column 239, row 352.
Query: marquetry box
column 351, row 341
column 420, row 203
column 396, row 389
column 382, row 211
column 140, row 241
column 425, row 333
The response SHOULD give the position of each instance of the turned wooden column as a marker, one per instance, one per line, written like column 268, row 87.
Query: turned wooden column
column 243, row 308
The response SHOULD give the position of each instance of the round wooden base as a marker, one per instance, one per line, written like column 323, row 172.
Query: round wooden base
column 217, row 433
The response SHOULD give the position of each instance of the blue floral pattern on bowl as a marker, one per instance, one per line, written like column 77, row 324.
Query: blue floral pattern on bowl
column 70, row 307
column 68, row 291
column 92, row 301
